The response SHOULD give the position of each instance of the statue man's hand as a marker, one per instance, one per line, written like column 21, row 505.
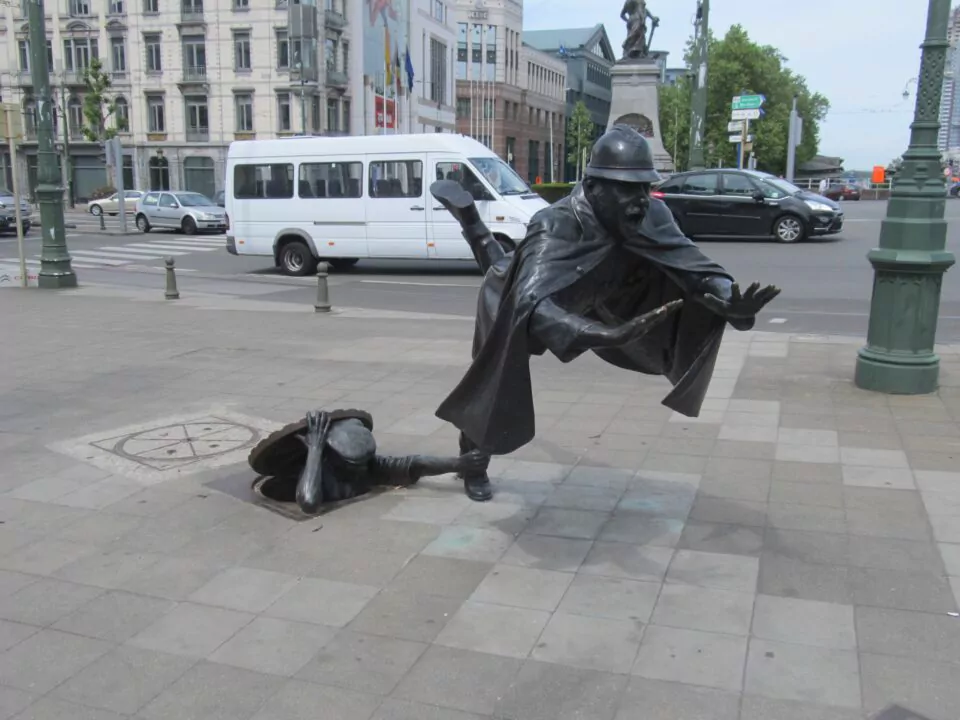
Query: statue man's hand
column 474, row 462
column 742, row 306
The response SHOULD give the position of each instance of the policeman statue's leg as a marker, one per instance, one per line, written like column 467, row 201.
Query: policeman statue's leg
column 460, row 204
column 475, row 484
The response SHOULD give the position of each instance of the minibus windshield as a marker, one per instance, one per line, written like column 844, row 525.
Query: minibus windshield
column 500, row 175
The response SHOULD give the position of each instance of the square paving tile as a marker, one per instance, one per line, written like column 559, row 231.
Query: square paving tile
column 322, row 601
column 756, row 707
column 405, row 615
column 923, row 636
column 440, row 511
column 584, row 497
column 123, row 680
column 722, row 538
column 175, row 578
column 544, row 552
column 469, row 543
column 12, row 633
column 406, row 710
column 544, row 691
column 786, row 577
column 44, row 660
column 500, row 515
column 874, row 458
column 946, row 528
column 591, row 643
column 707, row 609
column 194, row 630
column 807, row 438
column 929, row 688
column 692, row 657
column 611, row 597
column 114, row 616
column 45, row 557
column 298, row 700
column 640, row 529
column 601, row 477
column 45, row 601
column 802, row 672
column 804, row 622
column 210, row 691
column 727, row 572
column 12, row 701
column 459, row 679
column 244, row 589
column 365, row 663
column 273, row 646
column 49, row 709
column 922, row 591
column 523, row 587
column 447, row 577
column 623, row 560
column 494, row 629
column 878, row 477
column 659, row 700
column 559, row 522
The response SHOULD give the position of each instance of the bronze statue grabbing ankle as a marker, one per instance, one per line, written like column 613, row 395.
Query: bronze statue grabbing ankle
column 604, row 270
column 332, row 456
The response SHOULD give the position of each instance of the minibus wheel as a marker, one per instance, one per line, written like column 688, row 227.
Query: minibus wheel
column 341, row 264
column 295, row 258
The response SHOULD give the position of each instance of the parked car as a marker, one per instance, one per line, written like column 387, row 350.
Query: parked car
column 842, row 192
column 954, row 190
column 188, row 212
column 8, row 213
column 747, row 203
column 111, row 205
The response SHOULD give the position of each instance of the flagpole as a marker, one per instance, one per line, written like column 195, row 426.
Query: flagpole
column 550, row 120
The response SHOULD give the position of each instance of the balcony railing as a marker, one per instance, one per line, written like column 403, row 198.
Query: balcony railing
column 198, row 135
column 335, row 20
column 191, row 12
column 195, row 74
column 336, row 78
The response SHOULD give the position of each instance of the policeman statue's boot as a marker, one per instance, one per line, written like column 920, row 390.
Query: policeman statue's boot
column 476, row 486
column 461, row 205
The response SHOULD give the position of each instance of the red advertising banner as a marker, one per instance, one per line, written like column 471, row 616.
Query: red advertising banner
column 391, row 114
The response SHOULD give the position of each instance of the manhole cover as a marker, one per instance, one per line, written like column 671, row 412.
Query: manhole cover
column 896, row 712
column 157, row 450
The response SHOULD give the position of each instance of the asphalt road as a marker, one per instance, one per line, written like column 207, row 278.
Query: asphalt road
column 826, row 283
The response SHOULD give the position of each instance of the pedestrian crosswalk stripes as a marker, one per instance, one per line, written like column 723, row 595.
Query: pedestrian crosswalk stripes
column 133, row 253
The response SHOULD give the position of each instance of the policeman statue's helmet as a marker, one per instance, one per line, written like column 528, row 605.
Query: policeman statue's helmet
column 624, row 155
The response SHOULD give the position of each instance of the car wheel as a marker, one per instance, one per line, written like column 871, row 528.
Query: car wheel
column 297, row 259
column 189, row 226
column 96, row 210
column 142, row 224
column 789, row 229
column 341, row 264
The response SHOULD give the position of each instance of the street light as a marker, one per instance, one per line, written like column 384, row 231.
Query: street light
column 911, row 259
column 906, row 87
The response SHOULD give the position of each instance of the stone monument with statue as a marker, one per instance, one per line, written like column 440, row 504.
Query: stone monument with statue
column 635, row 82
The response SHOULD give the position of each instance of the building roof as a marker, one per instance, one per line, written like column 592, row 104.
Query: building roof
column 593, row 39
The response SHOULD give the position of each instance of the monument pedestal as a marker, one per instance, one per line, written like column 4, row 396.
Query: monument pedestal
column 636, row 103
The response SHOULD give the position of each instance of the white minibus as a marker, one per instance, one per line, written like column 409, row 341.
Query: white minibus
column 340, row 199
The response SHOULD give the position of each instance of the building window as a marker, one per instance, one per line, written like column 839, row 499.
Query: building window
column 330, row 180
column 396, row 179
column 156, row 114
column 79, row 8
column 151, row 7
column 283, row 50
column 198, row 117
column 439, row 10
column 330, row 54
column 241, row 4
column 463, row 107
column 192, row 7
column 438, row 72
column 346, row 116
column 121, row 114
column 244, row 110
column 118, row 54
column 511, row 153
column 152, row 45
column 255, row 182
column 116, row 7
column 490, row 56
column 461, row 51
column 241, row 44
column 23, row 52
column 333, row 115
column 75, row 117
column 195, row 58
column 315, row 114
column 533, row 161
column 77, row 53
column 284, row 122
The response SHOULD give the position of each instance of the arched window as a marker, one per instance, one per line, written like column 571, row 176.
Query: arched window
column 75, row 117
column 121, row 115
column 199, row 175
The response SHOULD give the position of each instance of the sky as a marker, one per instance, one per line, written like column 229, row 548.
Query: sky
column 859, row 54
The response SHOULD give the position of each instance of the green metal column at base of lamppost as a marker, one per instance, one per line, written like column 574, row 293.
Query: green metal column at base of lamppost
column 55, row 270
column 911, row 259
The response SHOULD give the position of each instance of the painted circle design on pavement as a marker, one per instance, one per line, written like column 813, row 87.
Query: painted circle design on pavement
column 186, row 442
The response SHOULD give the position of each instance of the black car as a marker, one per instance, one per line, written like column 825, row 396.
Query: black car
column 747, row 203
column 8, row 213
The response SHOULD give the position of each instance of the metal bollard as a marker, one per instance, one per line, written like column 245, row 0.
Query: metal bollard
column 103, row 225
column 172, row 293
column 323, row 293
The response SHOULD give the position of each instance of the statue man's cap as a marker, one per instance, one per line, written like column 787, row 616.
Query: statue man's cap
column 624, row 155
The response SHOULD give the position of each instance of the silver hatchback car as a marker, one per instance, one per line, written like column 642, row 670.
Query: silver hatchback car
column 188, row 212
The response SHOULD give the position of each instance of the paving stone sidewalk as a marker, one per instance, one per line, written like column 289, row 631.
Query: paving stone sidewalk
column 792, row 554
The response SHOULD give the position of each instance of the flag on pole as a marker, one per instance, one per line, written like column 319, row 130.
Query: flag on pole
column 397, row 73
column 409, row 64
column 388, row 76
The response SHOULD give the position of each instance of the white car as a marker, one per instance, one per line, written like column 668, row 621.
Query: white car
column 111, row 205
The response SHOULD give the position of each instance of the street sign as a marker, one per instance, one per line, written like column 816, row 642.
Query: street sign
column 746, row 114
column 734, row 126
column 736, row 138
column 10, row 125
column 747, row 102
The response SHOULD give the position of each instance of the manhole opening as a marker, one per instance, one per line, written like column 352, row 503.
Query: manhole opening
column 279, row 495
column 277, row 490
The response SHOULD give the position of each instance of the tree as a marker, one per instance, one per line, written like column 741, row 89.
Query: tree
column 99, row 105
column 579, row 135
column 737, row 66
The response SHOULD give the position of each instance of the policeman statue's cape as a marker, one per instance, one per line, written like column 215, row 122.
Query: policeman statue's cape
column 493, row 403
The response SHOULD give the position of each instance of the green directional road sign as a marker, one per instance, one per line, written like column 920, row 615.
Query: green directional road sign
column 747, row 102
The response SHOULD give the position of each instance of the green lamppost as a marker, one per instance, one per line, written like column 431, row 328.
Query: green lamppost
column 910, row 262
column 698, row 86
column 55, row 269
